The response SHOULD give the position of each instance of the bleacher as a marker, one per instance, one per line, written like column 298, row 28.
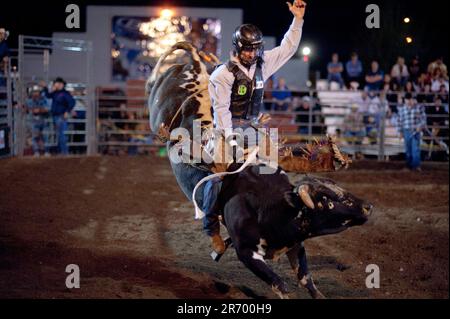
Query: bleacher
column 336, row 104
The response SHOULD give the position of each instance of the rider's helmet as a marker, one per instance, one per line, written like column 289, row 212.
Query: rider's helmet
column 248, row 37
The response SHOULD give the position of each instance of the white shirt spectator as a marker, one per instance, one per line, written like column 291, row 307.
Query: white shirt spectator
column 436, row 84
column 399, row 71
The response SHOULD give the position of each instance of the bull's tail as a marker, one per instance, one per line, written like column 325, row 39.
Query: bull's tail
column 187, row 46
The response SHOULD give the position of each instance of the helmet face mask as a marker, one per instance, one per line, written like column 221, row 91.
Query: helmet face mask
column 248, row 39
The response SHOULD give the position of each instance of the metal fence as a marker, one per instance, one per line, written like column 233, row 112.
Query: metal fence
column 35, row 64
column 122, row 124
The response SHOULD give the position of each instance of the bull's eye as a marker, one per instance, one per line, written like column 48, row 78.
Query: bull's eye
column 330, row 205
column 324, row 198
column 319, row 204
column 349, row 203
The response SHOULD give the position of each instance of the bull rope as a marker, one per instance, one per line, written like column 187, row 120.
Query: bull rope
column 199, row 214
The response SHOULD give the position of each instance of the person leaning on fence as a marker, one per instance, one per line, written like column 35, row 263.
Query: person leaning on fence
column 62, row 106
column 411, row 122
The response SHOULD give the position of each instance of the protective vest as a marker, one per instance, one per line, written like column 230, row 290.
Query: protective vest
column 246, row 94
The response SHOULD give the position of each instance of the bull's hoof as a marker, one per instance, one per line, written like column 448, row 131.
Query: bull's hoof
column 317, row 295
column 281, row 290
column 308, row 283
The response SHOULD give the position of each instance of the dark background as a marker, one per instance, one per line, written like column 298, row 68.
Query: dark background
column 330, row 26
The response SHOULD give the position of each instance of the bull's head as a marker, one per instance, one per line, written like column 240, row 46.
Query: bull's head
column 329, row 209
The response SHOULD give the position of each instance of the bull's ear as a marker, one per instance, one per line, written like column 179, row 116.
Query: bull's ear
column 292, row 199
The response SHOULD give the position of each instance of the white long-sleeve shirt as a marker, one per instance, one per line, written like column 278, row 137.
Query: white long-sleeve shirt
column 221, row 80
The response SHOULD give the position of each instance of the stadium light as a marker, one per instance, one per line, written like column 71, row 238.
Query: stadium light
column 166, row 13
column 306, row 51
column 409, row 40
column 406, row 20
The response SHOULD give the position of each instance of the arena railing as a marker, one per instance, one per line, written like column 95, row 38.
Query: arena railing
column 123, row 127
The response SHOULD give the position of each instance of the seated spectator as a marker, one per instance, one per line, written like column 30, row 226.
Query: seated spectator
column 409, row 88
column 374, row 78
column 391, row 98
column 424, row 79
column 372, row 116
column 307, row 104
column 354, row 71
column 362, row 101
column 39, row 108
column 302, row 119
column 439, row 79
column 399, row 72
column 354, row 128
column 438, row 64
column 437, row 116
column 281, row 95
column 414, row 70
column 335, row 70
column 443, row 94
column 426, row 96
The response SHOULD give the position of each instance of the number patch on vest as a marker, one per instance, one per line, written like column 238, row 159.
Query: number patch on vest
column 259, row 84
column 242, row 90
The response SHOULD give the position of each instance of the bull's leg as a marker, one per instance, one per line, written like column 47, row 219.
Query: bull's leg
column 297, row 259
column 254, row 261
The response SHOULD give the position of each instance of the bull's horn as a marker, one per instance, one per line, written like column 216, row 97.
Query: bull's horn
column 303, row 192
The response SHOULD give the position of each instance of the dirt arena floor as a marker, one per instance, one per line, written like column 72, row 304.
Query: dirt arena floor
column 126, row 224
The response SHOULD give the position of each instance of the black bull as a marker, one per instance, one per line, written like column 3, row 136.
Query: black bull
column 265, row 215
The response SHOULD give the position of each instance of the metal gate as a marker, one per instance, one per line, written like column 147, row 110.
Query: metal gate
column 44, row 59
column 6, row 121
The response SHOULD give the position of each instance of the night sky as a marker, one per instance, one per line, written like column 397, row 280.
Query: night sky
column 330, row 26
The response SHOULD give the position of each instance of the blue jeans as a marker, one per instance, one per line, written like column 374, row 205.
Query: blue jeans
column 211, row 224
column 187, row 177
column 60, row 128
column 37, row 132
column 355, row 136
column 336, row 78
column 412, row 148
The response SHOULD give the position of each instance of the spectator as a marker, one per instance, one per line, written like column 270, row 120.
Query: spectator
column 302, row 119
column 62, row 105
column 281, row 95
column 437, row 116
column 438, row 64
column 354, row 70
column 414, row 70
column 354, row 130
column 409, row 88
column 425, row 96
column 391, row 97
column 443, row 94
column 4, row 55
column 423, row 80
column 411, row 122
column 335, row 69
column 399, row 72
column 38, row 107
column 439, row 79
column 372, row 116
column 374, row 78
